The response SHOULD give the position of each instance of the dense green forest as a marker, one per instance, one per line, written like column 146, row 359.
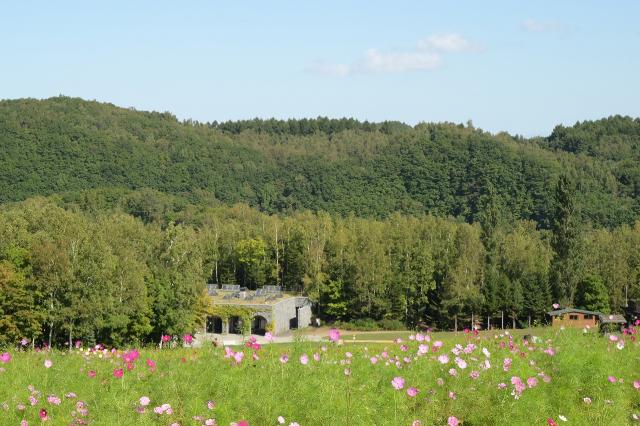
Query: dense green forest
column 113, row 220
column 64, row 145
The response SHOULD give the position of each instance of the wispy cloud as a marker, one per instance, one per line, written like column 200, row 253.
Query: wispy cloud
column 450, row 42
column 535, row 26
column 376, row 61
column 427, row 55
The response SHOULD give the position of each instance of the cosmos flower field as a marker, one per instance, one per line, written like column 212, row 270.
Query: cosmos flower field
column 577, row 377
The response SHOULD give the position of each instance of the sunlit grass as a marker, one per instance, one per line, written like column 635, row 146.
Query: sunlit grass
column 320, row 393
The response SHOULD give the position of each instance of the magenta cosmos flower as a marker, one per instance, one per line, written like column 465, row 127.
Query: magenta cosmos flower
column 412, row 392
column 334, row 334
column 397, row 383
column 5, row 357
column 118, row 373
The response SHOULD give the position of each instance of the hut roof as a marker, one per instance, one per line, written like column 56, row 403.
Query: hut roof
column 573, row 310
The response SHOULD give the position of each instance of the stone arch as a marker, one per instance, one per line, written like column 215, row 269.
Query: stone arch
column 236, row 324
column 259, row 325
column 214, row 325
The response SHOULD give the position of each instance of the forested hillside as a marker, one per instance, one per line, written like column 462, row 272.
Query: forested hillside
column 338, row 166
column 113, row 220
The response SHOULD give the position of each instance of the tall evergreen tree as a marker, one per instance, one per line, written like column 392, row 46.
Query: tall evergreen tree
column 564, row 273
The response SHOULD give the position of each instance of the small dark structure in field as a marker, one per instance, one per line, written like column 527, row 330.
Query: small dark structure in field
column 265, row 309
column 581, row 318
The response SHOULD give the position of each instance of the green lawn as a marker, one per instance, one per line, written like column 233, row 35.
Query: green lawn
column 320, row 393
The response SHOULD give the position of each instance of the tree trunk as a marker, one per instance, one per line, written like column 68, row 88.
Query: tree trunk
column 488, row 322
column 502, row 319
column 473, row 323
column 70, row 338
column 513, row 322
column 529, row 321
column 50, row 333
column 455, row 323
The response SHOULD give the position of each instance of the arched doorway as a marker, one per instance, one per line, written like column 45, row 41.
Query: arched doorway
column 259, row 325
column 235, row 325
column 214, row 325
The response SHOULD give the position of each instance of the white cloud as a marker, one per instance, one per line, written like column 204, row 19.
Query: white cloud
column 449, row 42
column 535, row 26
column 428, row 55
column 376, row 61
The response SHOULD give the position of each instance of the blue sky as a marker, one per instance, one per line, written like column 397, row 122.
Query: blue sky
column 517, row 66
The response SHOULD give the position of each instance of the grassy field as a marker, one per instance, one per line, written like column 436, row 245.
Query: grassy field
column 586, row 378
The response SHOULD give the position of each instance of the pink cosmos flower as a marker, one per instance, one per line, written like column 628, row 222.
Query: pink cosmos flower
column 91, row 373
column 304, row 359
column 334, row 334
column 238, row 356
column 416, row 423
column 284, row 358
column 118, row 373
column 32, row 400
column 397, row 383
column 461, row 363
column 437, row 345
column 532, row 382
column 612, row 379
column 144, row 401
column 268, row 336
column 347, row 371
column 636, row 384
column 443, row 359
column 316, row 357
column 613, row 337
column 453, row 372
column 210, row 422
column 53, row 400
column 474, row 375
column 5, row 357
column 211, row 405
column 48, row 363
column 453, row 421
column 502, row 386
column 452, row 395
column 555, row 306
column 24, row 423
column 412, row 392
column 551, row 422
column 151, row 364
column 506, row 364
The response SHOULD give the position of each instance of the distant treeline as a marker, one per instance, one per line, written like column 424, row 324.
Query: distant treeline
column 341, row 166
column 122, row 275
